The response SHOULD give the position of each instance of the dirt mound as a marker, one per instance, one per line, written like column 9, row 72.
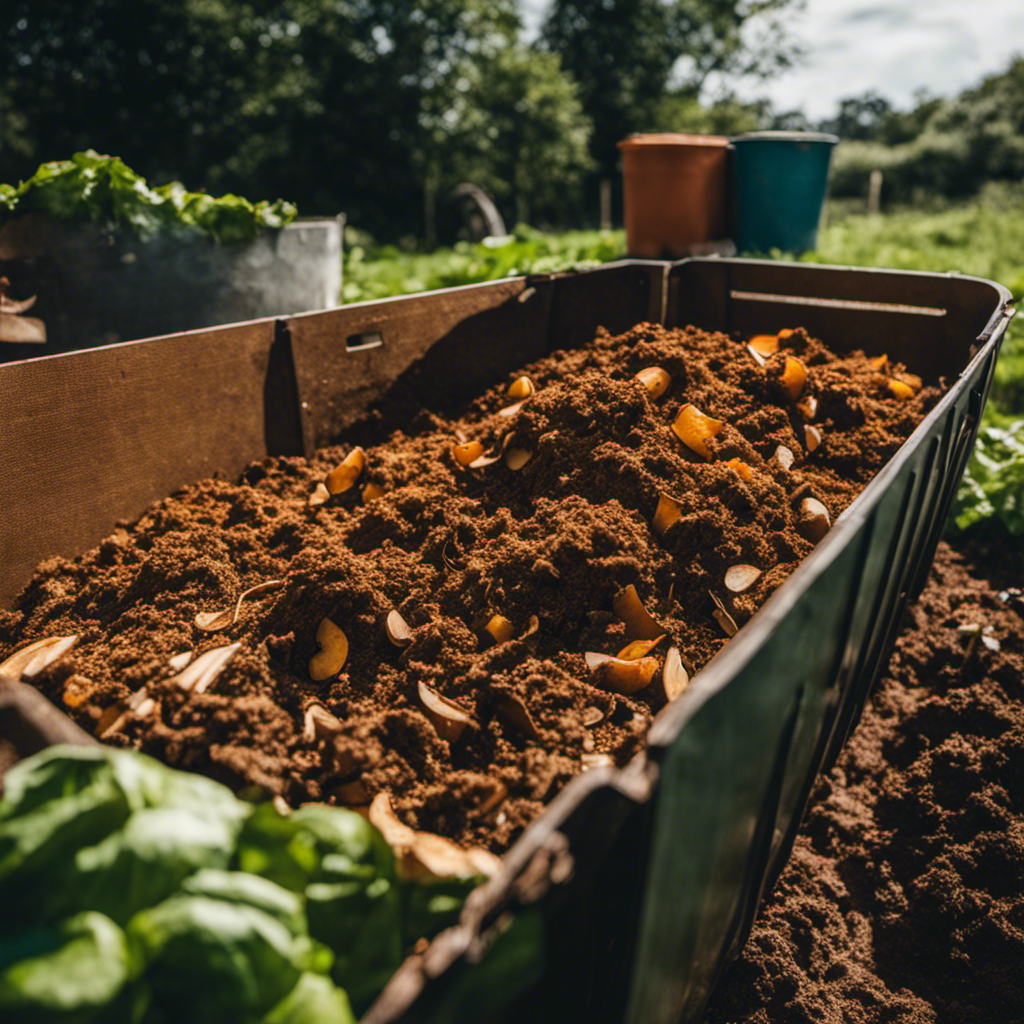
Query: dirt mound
column 546, row 547
column 904, row 899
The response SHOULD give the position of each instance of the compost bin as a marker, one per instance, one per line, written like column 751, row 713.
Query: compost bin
column 626, row 897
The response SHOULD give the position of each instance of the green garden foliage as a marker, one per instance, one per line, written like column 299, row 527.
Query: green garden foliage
column 377, row 273
column 993, row 486
column 950, row 147
column 103, row 190
column 373, row 108
column 130, row 892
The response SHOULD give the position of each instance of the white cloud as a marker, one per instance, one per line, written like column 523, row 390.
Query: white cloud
column 895, row 48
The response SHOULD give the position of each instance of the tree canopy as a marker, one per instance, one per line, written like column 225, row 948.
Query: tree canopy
column 377, row 108
column 629, row 55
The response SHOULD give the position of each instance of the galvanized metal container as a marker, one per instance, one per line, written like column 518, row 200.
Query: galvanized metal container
column 97, row 287
column 635, row 887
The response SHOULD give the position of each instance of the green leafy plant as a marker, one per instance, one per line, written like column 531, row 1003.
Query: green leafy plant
column 93, row 188
column 120, row 877
column 993, row 485
column 380, row 273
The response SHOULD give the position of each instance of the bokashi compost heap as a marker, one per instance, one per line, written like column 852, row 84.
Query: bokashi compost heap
column 464, row 612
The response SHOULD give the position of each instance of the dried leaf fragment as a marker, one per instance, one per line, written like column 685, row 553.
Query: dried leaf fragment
column 448, row 718
column 741, row 469
column 516, row 458
column 496, row 797
column 784, row 457
column 695, row 429
column 639, row 623
column 211, row 622
column 899, row 389
column 318, row 723
column 741, row 577
column 112, row 719
column 13, row 306
column 794, row 377
column 623, row 677
column 179, row 661
column 639, row 649
column 333, row 653
column 346, row 473
column 722, row 617
column 31, row 660
column 198, row 676
column 764, row 344
column 808, row 408
column 397, row 629
column 383, row 818
column 319, row 496
column 467, row 453
column 674, row 677
column 500, row 629
column 22, row 329
column 655, row 380
column 520, row 388
column 512, row 410
column 668, row 511
column 813, row 521
column 423, row 855
column 515, row 711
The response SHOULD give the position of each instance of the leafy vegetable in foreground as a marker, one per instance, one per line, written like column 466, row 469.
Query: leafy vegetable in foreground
column 119, row 878
column 103, row 190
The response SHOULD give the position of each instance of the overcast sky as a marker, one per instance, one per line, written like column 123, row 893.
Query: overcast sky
column 892, row 46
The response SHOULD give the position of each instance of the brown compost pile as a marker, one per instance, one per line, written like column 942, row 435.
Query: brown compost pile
column 547, row 548
column 903, row 901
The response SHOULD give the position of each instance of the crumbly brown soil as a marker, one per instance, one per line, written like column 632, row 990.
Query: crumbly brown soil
column 904, row 899
column 450, row 547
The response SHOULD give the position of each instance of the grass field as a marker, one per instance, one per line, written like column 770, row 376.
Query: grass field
column 984, row 238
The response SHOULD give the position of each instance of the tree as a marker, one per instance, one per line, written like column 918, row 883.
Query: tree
column 627, row 54
column 354, row 105
column 524, row 135
column 861, row 117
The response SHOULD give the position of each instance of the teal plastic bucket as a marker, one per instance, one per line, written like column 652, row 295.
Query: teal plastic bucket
column 779, row 189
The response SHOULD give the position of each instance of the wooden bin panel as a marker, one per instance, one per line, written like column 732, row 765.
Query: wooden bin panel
column 91, row 437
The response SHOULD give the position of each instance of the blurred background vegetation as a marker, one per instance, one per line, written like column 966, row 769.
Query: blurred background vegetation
column 381, row 109
column 372, row 107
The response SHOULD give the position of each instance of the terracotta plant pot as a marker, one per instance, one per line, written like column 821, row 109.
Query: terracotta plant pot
column 674, row 192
